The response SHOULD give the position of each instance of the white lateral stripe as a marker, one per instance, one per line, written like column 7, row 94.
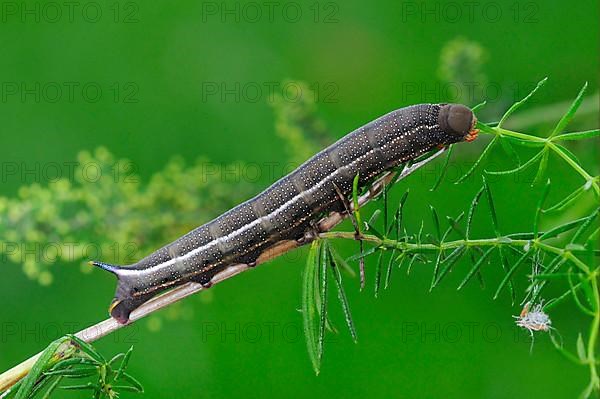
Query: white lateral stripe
column 156, row 268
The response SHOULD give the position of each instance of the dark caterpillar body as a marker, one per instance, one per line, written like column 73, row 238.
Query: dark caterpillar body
column 285, row 210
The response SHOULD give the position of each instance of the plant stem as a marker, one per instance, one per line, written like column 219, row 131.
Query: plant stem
column 549, row 142
column 576, row 167
column 594, row 328
column 106, row 327
column 484, row 242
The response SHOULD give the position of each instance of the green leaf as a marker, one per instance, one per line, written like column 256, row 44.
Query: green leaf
column 323, row 296
column 559, row 206
column 568, row 116
column 374, row 231
column 75, row 361
column 449, row 262
column 581, row 348
column 81, row 387
column 479, row 160
column 398, row 217
column 587, row 134
column 341, row 262
column 436, row 223
column 509, row 150
column 506, row 267
column 475, row 268
column 42, row 363
column 309, row 308
column 124, row 363
column 341, row 294
column 560, row 299
column 568, row 153
column 517, row 169
column 363, row 254
column 471, row 213
column 390, row 266
column 539, row 207
column 444, row 169
column 436, row 269
column 580, row 305
column 134, row 382
column 561, row 229
column 77, row 372
column 492, row 207
column 378, row 273
column 42, row 384
column 52, row 388
column 510, row 273
column 541, row 168
column 373, row 219
column 453, row 226
column 518, row 104
column 87, row 349
column 478, row 106
column 551, row 269
column 585, row 225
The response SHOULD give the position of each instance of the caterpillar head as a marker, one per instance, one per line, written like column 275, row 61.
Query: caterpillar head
column 458, row 122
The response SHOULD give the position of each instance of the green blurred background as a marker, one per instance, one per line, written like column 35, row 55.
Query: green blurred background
column 180, row 79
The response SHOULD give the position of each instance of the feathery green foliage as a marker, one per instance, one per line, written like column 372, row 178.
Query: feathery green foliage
column 565, row 254
column 69, row 358
column 572, row 244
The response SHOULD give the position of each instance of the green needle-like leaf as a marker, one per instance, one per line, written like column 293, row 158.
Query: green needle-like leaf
column 52, row 388
column 475, row 268
column 539, row 207
column 378, row 272
column 444, row 169
column 518, row 104
column 490, row 199
column 449, row 262
column 509, row 150
column 568, row 116
column 478, row 106
column 390, row 266
column 479, row 160
column 517, row 169
column 542, row 167
column 563, row 228
column 135, row 384
column 38, row 368
column 587, row 134
column 559, row 206
column 471, row 213
column 436, row 223
column 88, row 349
column 124, row 363
column 341, row 294
column 584, row 226
column 323, row 312
column 510, row 273
column 77, row 372
column 309, row 307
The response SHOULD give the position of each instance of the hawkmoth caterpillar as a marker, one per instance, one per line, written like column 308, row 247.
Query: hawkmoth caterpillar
column 286, row 209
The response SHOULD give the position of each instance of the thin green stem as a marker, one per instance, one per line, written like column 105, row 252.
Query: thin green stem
column 595, row 326
column 523, row 136
column 576, row 167
column 548, row 142
column 484, row 242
